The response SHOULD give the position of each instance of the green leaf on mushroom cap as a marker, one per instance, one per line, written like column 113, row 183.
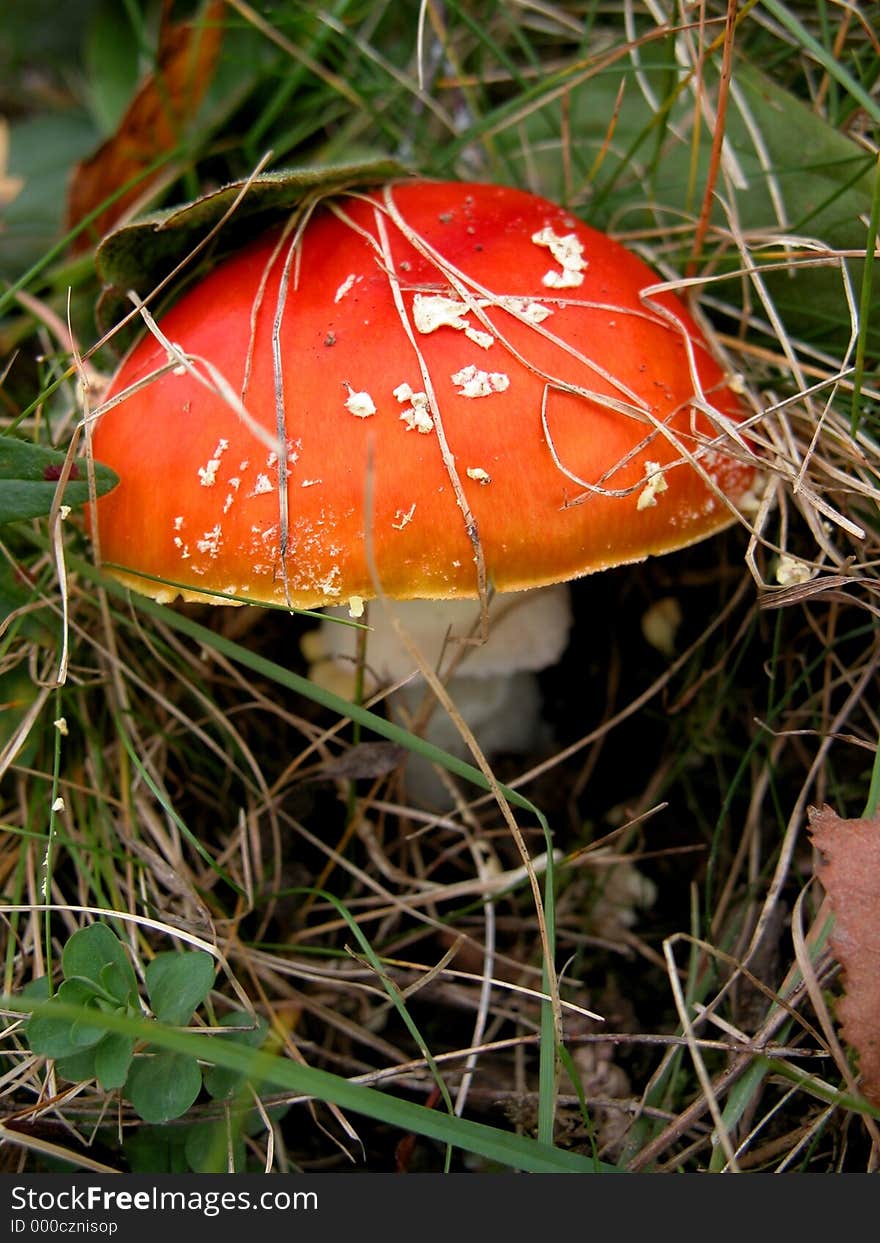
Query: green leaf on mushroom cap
column 139, row 255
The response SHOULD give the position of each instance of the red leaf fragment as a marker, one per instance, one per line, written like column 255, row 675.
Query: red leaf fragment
column 156, row 119
column 54, row 471
column 850, row 873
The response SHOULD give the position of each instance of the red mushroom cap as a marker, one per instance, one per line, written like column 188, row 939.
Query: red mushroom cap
column 461, row 383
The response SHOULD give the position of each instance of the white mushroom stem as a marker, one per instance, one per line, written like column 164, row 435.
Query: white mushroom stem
column 492, row 684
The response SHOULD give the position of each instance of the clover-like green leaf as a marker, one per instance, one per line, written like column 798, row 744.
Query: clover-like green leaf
column 208, row 1144
column 37, row 989
column 178, row 983
column 220, row 1082
column 162, row 1086
column 51, row 1037
column 59, row 1037
column 118, row 981
column 89, row 950
column 78, row 1067
column 157, row 1150
column 113, row 1058
column 84, row 1032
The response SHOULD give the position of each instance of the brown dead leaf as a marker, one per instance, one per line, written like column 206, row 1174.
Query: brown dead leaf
column 364, row 760
column 850, row 873
column 153, row 123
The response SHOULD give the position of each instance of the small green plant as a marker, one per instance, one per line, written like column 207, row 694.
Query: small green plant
column 99, row 979
column 31, row 474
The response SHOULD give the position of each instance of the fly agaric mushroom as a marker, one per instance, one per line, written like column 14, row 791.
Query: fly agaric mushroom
column 429, row 391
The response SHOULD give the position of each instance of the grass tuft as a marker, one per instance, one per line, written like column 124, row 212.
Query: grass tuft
column 428, row 1001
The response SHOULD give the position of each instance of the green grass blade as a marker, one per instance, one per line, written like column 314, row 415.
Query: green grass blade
column 507, row 1149
column 831, row 64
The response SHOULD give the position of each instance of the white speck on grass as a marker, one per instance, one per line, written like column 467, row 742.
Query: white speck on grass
column 356, row 606
column 475, row 383
column 791, row 571
column 750, row 501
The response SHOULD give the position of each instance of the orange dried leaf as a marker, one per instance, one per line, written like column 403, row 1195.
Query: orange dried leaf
column 850, row 873
column 153, row 122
